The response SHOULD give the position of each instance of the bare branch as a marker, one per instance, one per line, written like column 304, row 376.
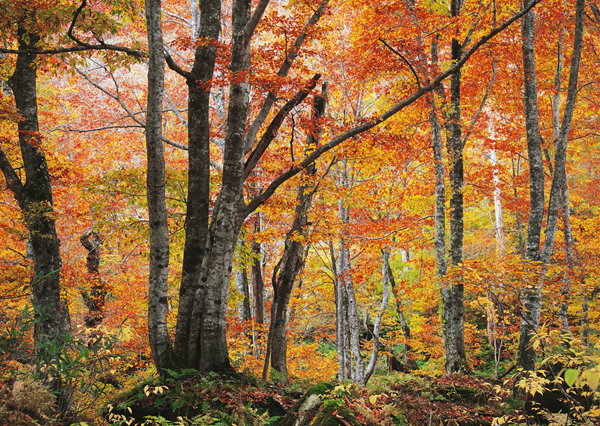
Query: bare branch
column 404, row 59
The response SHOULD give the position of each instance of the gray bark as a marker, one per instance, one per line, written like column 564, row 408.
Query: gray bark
column 347, row 306
column 35, row 201
column 342, row 341
column 158, row 333
column 532, row 298
column 197, row 212
column 564, row 196
column 453, row 293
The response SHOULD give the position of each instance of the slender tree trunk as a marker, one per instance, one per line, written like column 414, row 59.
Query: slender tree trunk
column 292, row 259
column 35, row 201
column 242, row 286
column 495, row 311
column 389, row 275
column 158, row 333
column 532, row 299
column 358, row 373
column 258, row 289
column 499, row 221
column 95, row 299
column 564, row 198
column 341, row 315
column 453, row 293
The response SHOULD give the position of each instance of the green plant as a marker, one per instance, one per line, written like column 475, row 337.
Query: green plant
column 74, row 369
column 567, row 378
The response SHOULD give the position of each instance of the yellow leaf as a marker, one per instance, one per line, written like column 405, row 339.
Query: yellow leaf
column 571, row 376
column 591, row 379
column 373, row 399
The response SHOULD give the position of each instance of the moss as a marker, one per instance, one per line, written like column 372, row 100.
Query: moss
column 318, row 389
column 331, row 412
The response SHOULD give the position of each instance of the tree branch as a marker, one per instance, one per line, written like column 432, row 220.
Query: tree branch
column 271, row 131
column 404, row 59
column 283, row 72
column 481, row 105
column 12, row 179
column 294, row 170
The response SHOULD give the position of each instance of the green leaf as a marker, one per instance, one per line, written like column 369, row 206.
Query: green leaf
column 571, row 375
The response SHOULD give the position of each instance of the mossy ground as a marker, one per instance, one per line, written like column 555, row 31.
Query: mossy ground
column 397, row 399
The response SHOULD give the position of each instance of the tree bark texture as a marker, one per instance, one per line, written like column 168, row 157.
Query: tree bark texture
column 198, row 202
column 453, row 292
column 342, row 339
column 35, row 201
column 158, row 285
column 532, row 297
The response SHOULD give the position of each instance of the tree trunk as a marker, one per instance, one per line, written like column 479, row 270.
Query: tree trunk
column 292, row 259
column 94, row 301
column 158, row 285
column 258, row 289
column 495, row 312
column 242, row 286
column 35, row 201
column 389, row 275
column 532, row 299
column 197, row 212
column 453, row 293
column 341, row 322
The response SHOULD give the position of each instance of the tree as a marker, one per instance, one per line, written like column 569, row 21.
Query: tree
column 212, row 228
column 293, row 257
column 532, row 297
column 34, row 195
column 202, row 318
column 160, row 340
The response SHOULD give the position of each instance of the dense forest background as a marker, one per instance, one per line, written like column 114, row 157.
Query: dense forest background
column 303, row 190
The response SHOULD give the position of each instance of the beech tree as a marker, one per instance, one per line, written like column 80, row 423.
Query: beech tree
column 532, row 296
column 212, row 225
column 34, row 193
column 200, row 339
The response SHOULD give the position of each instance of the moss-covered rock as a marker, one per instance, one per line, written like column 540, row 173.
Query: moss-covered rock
column 332, row 412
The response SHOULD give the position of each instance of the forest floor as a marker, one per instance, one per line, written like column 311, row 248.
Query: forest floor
column 390, row 399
